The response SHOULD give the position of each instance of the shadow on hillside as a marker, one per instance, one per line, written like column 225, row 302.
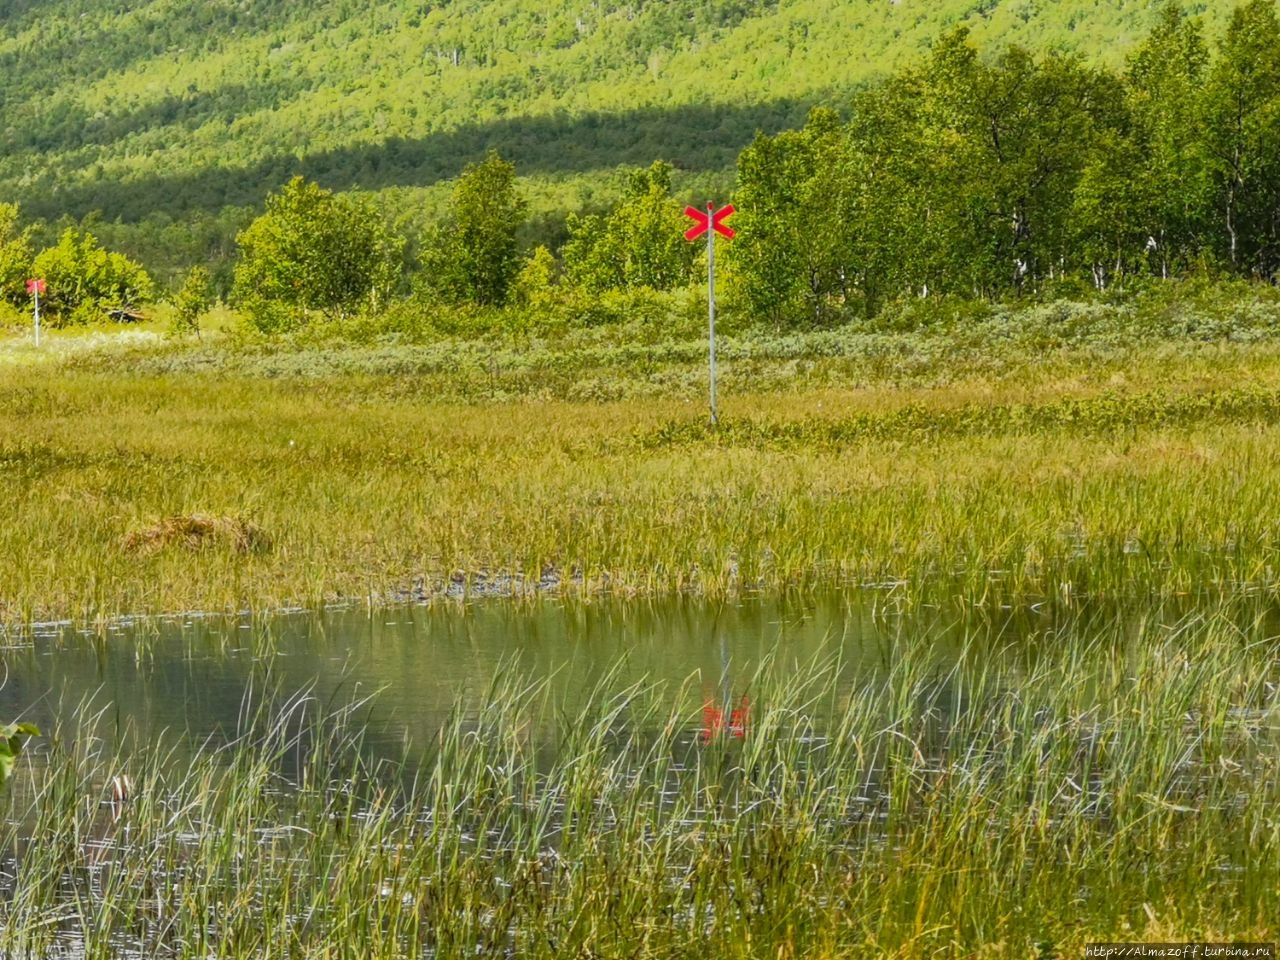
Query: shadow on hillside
column 73, row 127
column 694, row 138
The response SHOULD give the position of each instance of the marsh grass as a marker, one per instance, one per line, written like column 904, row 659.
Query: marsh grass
column 1032, row 455
column 1120, row 784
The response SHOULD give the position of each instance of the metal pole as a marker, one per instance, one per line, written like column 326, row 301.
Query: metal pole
column 711, row 305
column 37, row 296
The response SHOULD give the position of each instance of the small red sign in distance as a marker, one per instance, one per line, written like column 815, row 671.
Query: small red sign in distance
column 35, row 286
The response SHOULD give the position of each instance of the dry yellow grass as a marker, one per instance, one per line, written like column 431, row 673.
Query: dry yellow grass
column 197, row 532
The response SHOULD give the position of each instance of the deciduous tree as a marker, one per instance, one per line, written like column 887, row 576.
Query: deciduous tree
column 313, row 252
column 473, row 257
column 639, row 243
column 792, row 261
column 1163, row 83
column 192, row 301
column 1242, row 127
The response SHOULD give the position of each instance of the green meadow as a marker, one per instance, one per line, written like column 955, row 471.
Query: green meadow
column 1056, row 451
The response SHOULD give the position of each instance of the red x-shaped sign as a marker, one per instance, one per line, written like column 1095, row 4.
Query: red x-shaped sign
column 713, row 218
column 35, row 286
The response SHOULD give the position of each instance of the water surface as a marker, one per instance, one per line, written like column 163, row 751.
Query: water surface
column 195, row 676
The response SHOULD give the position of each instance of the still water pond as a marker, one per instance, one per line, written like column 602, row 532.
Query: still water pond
column 800, row 768
column 193, row 676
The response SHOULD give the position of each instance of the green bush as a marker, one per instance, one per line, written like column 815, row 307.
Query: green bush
column 87, row 283
column 15, row 256
column 192, row 301
column 313, row 253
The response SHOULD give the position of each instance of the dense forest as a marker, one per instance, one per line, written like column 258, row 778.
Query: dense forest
column 982, row 178
column 169, row 123
column 875, row 151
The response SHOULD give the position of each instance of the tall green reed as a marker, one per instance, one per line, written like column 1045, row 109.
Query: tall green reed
column 1112, row 777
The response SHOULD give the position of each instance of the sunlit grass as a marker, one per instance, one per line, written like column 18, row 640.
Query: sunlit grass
column 1153, row 476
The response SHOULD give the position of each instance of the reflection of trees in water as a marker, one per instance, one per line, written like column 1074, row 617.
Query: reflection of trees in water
column 201, row 680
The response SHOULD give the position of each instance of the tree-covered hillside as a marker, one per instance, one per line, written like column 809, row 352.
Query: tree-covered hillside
column 177, row 119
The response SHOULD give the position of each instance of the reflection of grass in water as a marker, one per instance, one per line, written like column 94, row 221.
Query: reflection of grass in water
column 1120, row 785
column 1113, row 470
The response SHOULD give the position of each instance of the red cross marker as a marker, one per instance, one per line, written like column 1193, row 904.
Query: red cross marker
column 35, row 286
column 713, row 218
column 710, row 223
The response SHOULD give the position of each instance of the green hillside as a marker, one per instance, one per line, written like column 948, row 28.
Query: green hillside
column 175, row 119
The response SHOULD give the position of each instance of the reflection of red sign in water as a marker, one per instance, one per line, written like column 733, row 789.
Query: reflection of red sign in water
column 713, row 720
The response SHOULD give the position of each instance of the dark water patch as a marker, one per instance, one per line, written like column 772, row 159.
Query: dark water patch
column 197, row 676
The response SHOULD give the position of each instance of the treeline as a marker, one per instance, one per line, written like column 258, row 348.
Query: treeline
column 314, row 254
column 983, row 179
column 960, row 177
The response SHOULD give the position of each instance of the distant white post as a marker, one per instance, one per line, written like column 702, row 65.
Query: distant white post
column 35, row 287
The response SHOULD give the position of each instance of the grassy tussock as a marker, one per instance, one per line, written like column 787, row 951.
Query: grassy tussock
column 1119, row 784
column 196, row 533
